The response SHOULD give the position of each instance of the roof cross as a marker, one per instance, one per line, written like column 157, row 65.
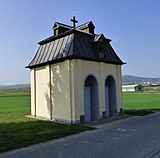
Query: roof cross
column 74, row 21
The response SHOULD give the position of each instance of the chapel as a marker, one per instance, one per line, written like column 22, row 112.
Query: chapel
column 75, row 76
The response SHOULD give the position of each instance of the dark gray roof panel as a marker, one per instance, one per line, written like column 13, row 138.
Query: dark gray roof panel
column 97, row 37
column 49, row 50
column 75, row 45
column 60, row 24
column 54, row 50
column 84, row 46
column 33, row 62
column 81, row 27
column 101, row 36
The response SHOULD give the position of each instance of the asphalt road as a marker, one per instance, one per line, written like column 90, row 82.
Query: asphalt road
column 137, row 137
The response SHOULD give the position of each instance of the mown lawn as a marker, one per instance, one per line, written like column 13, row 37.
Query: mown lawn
column 141, row 103
column 18, row 131
column 9, row 104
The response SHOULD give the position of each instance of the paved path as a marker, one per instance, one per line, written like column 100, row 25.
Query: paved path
column 137, row 137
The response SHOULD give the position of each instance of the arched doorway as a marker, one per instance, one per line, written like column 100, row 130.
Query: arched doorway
column 91, row 99
column 110, row 97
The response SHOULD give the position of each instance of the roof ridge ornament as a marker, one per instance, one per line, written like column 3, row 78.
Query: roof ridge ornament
column 74, row 21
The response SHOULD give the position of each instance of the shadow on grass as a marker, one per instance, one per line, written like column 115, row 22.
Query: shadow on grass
column 20, row 134
column 140, row 112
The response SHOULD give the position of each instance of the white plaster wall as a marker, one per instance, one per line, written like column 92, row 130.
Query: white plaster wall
column 52, row 102
column 42, row 92
column 119, row 88
column 60, row 91
column 33, row 99
column 65, row 100
column 100, row 71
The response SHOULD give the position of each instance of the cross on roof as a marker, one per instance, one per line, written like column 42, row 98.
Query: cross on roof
column 74, row 21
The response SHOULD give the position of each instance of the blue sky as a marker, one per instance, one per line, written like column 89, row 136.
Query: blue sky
column 133, row 26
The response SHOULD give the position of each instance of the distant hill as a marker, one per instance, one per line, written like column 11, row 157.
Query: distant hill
column 134, row 79
column 15, row 86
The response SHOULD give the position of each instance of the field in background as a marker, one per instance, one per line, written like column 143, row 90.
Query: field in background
column 15, row 92
column 152, row 89
column 142, row 103
column 15, row 100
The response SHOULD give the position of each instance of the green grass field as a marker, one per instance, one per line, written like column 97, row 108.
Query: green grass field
column 10, row 104
column 152, row 89
column 18, row 131
column 141, row 101
column 15, row 100
column 15, row 92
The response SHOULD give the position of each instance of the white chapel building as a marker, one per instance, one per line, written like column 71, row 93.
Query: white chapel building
column 75, row 76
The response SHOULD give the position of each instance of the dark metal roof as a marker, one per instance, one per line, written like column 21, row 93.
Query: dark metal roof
column 74, row 44
column 87, row 24
column 63, row 25
column 101, row 36
column 80, row 27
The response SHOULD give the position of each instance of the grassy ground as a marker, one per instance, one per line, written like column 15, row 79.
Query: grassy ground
column 15, row 92
column 152, row 89
column 17, row 131
column 9, row 104
column 141, row 103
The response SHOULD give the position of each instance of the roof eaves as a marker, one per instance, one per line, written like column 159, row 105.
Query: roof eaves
column 74, row 57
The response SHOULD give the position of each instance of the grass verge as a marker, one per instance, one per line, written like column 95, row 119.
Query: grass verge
column 141, row 112
column 17, row 131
